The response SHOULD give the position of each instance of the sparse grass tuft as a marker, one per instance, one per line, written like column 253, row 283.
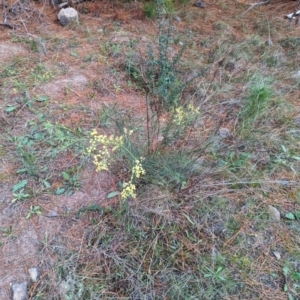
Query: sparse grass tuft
column 255, row 104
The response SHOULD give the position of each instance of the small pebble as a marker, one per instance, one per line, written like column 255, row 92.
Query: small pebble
column 296, row 74
column 274, row 213
column 34, row 274
column 224, row 132
column 269, row 42
column 297, row 121
column 19, row 291
column 200, row 4
column 177, row 19
column 277, row 254
column 51, row 214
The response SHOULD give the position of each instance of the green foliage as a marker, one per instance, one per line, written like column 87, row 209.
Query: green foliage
column 19, row 191
column 150, row 10
column 155, row 8
column 7, row 232
column 169, row 171
column 255, row 104
column 215, row 275
column 168, row 118
column 291, row 285
column 34, row 44
column 162, row 73
column 39, row 166
column 70, row 181
column 33, row 210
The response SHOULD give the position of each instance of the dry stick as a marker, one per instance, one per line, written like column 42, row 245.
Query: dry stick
column 7, row 25
column 256, row 4
column 148, row 128
column 36, row 284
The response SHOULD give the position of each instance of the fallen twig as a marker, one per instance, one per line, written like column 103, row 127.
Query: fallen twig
column 292, row 15
column 256, row 4
column 7, row 25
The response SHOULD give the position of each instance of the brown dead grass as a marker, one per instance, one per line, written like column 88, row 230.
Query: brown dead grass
column 67, row 234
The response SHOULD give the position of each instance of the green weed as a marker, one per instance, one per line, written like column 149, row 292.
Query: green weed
column 34, row 44
column 155, row 8
column 7, row 232
column 33, row 210
column 255, row 104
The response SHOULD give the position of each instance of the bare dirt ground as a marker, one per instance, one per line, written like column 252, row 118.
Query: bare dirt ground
column 80, row 64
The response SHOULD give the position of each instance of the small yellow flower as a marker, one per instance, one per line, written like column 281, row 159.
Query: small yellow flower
column 126, row 131
column 193, row 109
column 181, row 116
column 138, row 169
column 128, row 190
column 101, row 147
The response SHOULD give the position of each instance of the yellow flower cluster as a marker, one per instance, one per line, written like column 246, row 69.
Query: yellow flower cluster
column 106, row 144
column 182, row 116
column 179, row 116
column 193, row 109
column 129, row 189
column 128, row 132
column 138, row 169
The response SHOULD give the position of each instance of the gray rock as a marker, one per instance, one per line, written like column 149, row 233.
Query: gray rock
column 274, row 213
column 297, row 121
column 296, row 74
column 19, row 291
column 177, row 19
column 200, row 4
column 51, row 214
column 277, row 254
column 34, row 274
column 269, row 42
column 224, row 132
column 67, row 16
column 63, row 288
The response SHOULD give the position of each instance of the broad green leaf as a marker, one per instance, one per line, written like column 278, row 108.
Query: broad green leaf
column 290, row 216
column 10, row 108
column 46, row 184
column 295, row 157
column 297, row 214
column 65, row 175
column 21, row 171
column 19, row 185
column 283, row 148
column 290, row 297
column 295, row 276
column 37, row 136
column 60, row 191
column 113, row 194
column 74, row 53
column 42, row 98
column 285, row 270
